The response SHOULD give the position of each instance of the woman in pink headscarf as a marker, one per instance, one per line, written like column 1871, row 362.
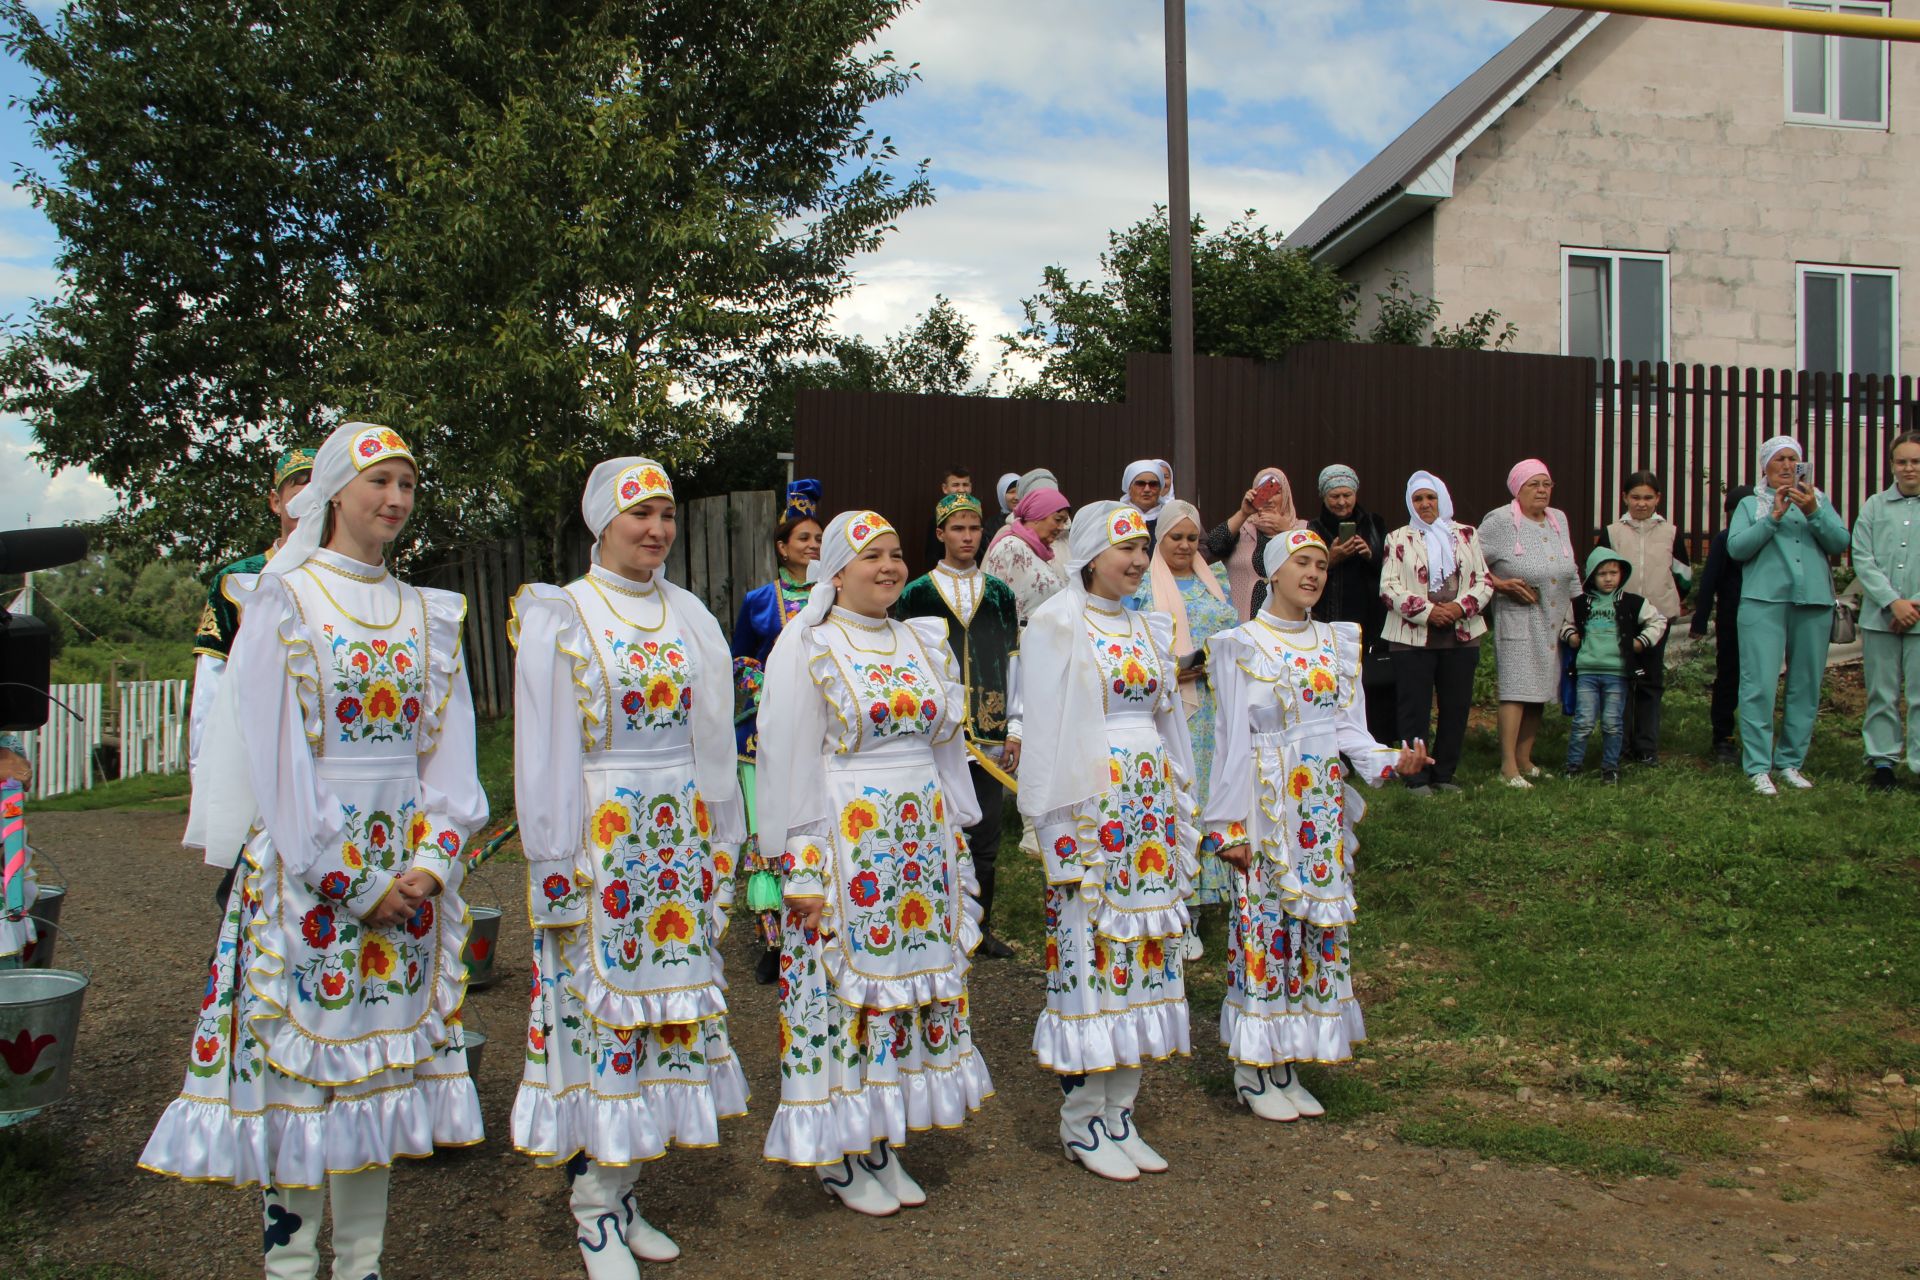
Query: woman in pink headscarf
column 1240, row 540
column 1535, row 578
column 1022, row 553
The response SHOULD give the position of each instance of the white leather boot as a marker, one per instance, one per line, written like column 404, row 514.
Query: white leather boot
column 291, row 1217
column 600, row 1203
column 1083, row 1129
column 1262, row 1095
column 1289, row 1081
column 883, row 1162
column 648, row 1242
column 1123, row 1086
column 359, row 1221
column 857, row 1188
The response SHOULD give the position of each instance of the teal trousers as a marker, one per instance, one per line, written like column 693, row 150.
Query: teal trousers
column 1892, row 664
column 1770, row 634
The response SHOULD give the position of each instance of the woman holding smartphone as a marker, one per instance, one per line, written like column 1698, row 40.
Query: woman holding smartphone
column 1783, row 536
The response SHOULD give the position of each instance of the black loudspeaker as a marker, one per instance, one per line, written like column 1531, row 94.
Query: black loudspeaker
column 26, row 661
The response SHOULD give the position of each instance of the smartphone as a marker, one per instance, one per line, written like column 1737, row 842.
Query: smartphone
column 1264, row 492
column 1803, row 473
column 1347, row 529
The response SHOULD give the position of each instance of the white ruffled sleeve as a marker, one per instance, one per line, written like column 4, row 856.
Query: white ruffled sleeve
column 272, row 671
column 555, row 711
column 1230, row 789
column 1371, row 761
column 453, row 804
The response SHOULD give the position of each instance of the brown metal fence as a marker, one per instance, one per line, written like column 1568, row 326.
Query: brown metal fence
column 1467, row 416
column 1700, row 428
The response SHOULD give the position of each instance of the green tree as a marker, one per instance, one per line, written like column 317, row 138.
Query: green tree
column 525, row 236
column 1252, row 296
column 1407, row 317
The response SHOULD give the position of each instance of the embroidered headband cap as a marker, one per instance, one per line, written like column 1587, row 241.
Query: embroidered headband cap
column 1283, row 546
column 1125, row 526
column 620, row 484
column 645, row 479
column 860, row 530
column 377, row 444
column 294, row 462
column 952, row 504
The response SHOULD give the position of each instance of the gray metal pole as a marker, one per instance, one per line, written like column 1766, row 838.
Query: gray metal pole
column 1186, row 476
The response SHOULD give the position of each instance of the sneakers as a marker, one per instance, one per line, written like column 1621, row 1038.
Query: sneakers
column 1763, row 785
column 1572, row 771
column 1423, row 791
column 1519, row 783
column 1725, row 752
column 1883, row 779
column 1796, row 779
column 1609, row 777
column 1446, row 786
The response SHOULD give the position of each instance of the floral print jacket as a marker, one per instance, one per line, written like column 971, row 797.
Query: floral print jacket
column 1403, row 586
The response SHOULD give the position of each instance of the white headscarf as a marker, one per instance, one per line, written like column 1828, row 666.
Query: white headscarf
column 1441, row 561
column 617, row 485
column 1166, row 481
column 1063, row 757
column 351, row 449
column 1000, row 492
column 1770, row 447
column 792, row 713
column 1144, row 467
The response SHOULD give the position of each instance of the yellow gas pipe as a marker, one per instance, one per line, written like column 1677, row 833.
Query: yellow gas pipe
column 1726, row 13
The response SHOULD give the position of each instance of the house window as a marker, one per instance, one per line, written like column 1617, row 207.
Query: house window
column 1837, row 80
column 1849, row 320
column 1614, row 305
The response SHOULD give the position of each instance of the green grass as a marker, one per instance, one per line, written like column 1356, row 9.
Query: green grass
column 1594, row 1142
column 146, row 792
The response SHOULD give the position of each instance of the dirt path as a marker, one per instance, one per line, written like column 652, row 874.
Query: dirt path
column 1244, row 1198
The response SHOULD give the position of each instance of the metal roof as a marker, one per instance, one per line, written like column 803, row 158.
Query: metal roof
column 1429, row 138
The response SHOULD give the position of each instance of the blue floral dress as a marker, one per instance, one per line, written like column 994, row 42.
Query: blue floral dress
column 1207, row 616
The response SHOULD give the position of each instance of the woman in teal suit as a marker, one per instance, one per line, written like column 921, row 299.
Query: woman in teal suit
column 1783, row 536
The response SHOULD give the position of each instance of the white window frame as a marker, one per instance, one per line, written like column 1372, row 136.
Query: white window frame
column 1569, row 252
column 1800, row 273
column 1830, row 118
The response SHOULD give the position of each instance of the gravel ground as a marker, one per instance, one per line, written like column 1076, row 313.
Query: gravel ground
column 1243, row 1197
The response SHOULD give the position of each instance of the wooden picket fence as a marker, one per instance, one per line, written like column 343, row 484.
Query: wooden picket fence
column 150, row 733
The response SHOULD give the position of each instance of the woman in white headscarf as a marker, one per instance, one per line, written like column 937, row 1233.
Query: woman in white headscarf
column 1434, row 580
column 341, row 755
column 1281, row 811
column 1143, row 486
column 1106, row 776
column 868, row 798
column 1783, row 536
column 630, row 811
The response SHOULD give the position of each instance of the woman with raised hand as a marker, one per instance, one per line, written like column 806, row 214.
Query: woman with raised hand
column 1106, row 776
column 868, row 798
column 1280, row 811
column 630, row 812
column 1240, row 541
column 341, row 755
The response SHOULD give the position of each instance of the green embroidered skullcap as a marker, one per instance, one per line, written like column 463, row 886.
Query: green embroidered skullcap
column 292, row 463
column 952, row 504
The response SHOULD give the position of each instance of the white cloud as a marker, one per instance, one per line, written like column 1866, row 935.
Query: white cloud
column 1044, row 123
column 30, row 495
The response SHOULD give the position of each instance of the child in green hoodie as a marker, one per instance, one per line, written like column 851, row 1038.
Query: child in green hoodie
column 1611, row 630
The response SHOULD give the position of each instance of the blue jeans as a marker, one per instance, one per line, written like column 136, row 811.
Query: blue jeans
column 1603, row 698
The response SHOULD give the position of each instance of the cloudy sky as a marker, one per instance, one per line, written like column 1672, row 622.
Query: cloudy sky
column 1043, row 120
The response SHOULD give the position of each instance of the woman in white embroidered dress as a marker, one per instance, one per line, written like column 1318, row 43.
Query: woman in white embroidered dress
column 629, row 806
column 1106, row 776
column 868, row 800
column 342, row 755
column 1280, row 812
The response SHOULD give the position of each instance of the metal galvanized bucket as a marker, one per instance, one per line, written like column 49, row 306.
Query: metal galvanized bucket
column 476, row 1043
column 481, row 942
column 39, row 952
column 39, row 1022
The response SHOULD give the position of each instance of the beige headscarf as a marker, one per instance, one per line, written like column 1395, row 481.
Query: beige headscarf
column 1167, row 596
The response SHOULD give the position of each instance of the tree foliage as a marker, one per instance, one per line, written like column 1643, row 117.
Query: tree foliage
column 1252, row 296
column 526, row 236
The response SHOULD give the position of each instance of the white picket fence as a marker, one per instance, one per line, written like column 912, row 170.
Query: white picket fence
column 152, row 732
